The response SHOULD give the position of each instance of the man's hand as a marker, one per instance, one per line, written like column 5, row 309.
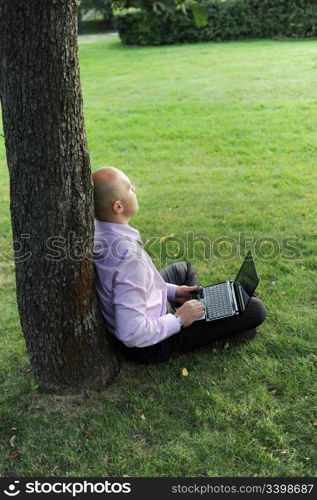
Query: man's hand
column 184, row 293
column 191, row 311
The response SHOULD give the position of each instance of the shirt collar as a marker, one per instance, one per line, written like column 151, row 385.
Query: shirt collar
column 117, row 229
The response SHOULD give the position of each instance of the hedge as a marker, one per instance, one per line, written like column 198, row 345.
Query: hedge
column 226, row 20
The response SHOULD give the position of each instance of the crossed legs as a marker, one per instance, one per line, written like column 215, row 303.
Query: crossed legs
column 199, row 333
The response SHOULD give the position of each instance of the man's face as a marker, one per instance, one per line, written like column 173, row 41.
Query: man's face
column 128, row 196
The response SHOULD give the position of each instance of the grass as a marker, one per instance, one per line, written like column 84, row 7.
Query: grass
column 220, row 140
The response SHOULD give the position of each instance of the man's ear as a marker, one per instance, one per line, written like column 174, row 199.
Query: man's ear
column 117, row 207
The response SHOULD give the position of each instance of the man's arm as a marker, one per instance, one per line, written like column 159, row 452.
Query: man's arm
column 171, row 291
column 134, row 326
column 180, row 294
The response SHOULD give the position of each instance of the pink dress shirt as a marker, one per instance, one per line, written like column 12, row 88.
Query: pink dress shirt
column 131, row 291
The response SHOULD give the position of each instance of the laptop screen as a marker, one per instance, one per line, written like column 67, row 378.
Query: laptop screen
column 247, row 276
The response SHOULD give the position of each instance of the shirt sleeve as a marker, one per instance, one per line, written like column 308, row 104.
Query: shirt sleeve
column 134, row 327
column 171, row 291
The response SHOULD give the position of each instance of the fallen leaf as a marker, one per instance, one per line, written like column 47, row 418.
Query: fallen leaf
column 315, row 423
column 226, row 346
column 185, row 372
column 12, row 440
column 167, row 237
column 14, row 454
column 85, row 432
column 13, row 428
column 143, row 417
column 264, row 448
column 231, row 464
column 223, row 368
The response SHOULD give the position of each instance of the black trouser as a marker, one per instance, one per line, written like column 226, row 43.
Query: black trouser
column 200, row 333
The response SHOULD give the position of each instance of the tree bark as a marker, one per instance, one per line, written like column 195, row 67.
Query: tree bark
column 51, row 196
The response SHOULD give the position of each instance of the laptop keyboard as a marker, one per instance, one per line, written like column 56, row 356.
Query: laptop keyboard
column 217, row 301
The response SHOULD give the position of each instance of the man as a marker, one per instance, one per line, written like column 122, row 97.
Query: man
column 152, row 314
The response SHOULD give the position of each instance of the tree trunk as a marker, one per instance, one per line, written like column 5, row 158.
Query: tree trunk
column 51, row 196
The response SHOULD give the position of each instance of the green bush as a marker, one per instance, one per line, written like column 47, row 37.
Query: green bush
column 227, row 20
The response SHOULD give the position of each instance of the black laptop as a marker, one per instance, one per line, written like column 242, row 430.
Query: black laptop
column 229, row 298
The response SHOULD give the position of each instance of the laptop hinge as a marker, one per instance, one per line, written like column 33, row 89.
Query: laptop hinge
column 233, row 295
column 238, row 294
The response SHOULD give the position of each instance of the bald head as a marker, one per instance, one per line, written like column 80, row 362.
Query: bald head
column 105, row 175
column 112, row 194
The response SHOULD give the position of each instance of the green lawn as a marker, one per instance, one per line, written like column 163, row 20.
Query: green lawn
column 221, row 141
